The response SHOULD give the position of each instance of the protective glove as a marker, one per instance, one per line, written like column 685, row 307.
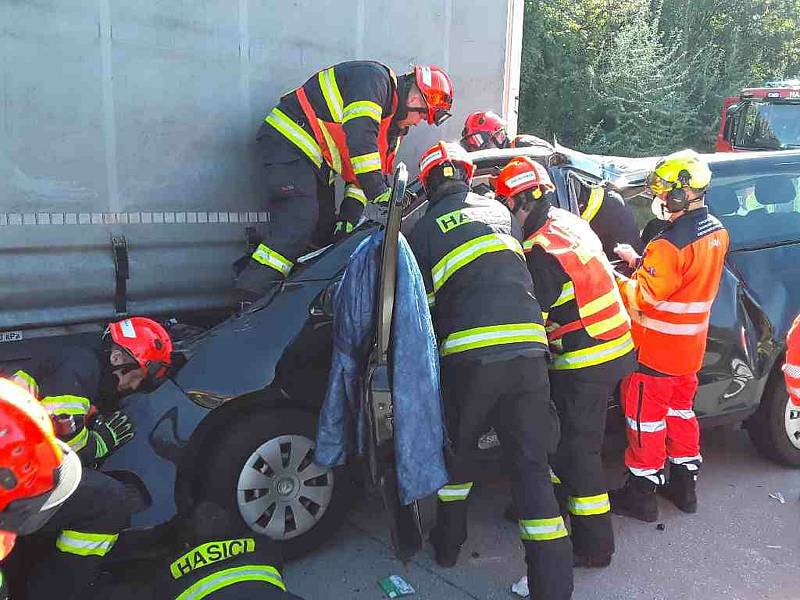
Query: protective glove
column 342, row 230
column 111, row 433
column 627, row 254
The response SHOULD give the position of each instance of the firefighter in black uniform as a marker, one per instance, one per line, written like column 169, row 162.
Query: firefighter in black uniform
column 605, row 210
column 220, row 560
column 68, row 384
column 494, row 371
column 588, row 332
column 346, row 120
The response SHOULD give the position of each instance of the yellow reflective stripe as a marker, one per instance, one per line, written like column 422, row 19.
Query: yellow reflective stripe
column 336, row 157
column 362, row 108
column 221, row 579
column 66, row 405
column 593, row 205
column 469, row 251
column 606, row 325
column 539, row 530
column 356, row 193
column 601, row 303
column 269, row 258
column 333, row 97
column 431, row 299
column 596, row 355
column 493, row 335
column 86, row 544
column 554, row 478
column 454, row 492
column 366, row 163
column 567, row 294
column 383, row 197
column 79, row 440
column 26, row 380
column 295, row 134
column 585, row 506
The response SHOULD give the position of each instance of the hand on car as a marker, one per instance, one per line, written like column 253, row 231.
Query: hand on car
column 627, row 254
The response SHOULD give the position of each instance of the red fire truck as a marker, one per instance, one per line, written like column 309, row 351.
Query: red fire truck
column 761, row 118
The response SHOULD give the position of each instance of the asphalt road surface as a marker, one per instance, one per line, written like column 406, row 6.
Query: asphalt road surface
column 741, row 544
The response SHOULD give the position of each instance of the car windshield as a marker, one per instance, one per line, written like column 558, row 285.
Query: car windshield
column 757, row 209
column 768, row 126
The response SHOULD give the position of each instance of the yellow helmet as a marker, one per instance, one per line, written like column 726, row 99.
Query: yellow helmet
column 680, row 170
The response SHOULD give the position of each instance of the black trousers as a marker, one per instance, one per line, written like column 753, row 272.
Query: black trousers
column 302, row 211
column 513, row 396
column 87, row 525
column 581, row 399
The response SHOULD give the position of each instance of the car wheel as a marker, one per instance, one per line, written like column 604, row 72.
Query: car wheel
column 775, row 427
column 263, row 471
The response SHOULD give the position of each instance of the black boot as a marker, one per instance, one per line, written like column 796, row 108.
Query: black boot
column 637, row 499
column 681, row 488
column 446, row 554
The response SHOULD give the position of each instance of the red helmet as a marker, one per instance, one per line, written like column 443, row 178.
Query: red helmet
column 146, row 341
column 37, row 473
column 483, row 129
column 437, row 89
column 445, row 155
column 522, row 174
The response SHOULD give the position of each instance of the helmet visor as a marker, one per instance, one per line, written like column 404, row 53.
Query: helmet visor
column 658, row 185
column 440, row 116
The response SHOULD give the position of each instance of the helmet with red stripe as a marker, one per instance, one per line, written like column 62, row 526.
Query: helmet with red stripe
column 483, row 129
column 522, row 175
column 445, row 161
column 437, row 89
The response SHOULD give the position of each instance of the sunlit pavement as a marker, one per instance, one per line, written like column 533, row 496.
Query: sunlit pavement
column 741, row 544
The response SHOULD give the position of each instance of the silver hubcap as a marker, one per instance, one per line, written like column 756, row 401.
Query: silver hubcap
column 281, row 492
column 792, row 423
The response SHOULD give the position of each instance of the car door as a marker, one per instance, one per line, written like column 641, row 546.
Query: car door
column 407, row 524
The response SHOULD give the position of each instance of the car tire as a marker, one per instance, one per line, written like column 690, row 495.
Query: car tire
column 770, row 427
column 235, row 456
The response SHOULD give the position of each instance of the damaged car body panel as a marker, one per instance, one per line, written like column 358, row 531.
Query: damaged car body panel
column 276, row 355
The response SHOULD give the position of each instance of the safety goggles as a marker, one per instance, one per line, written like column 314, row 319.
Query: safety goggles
column 658, row 185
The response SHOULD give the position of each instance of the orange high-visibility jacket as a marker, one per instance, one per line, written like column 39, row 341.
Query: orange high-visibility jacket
column 791, row 368
column 669, row 296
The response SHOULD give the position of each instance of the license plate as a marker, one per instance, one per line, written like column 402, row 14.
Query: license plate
column 10, row 336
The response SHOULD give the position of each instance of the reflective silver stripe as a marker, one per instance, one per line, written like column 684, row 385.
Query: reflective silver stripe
column 594, row 355
column 221, row 579
column 681, row 414
column 333, row 97
column 589, row 505
column 670, row 328
column 654, row 475
column 682, row 460
column 542, row 529
column 454, row 492
column 646, row 426
column 791, row 370
column 356, row 193
column 366, row 163
column 268, row 257
column 467, row 252
column 427, row 160
column 493, row 335
column 793, row 391
column 296, row 134
column 85, row 544
column 567, row 294
column 682, row 308
column 363, row 108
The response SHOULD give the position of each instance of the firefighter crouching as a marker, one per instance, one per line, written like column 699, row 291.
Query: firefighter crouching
column 493, row 353
column 347, row 120
column 69, row 383
column 611, row 219
column 588, row 331
column 669, row 298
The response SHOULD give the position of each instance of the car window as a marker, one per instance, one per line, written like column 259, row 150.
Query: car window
column 757, row 209
column 769, row 126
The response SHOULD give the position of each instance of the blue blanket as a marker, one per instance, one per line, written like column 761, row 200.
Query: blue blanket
column 418, row 415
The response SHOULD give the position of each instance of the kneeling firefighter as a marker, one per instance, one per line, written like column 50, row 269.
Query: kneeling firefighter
column 588, row 331
column 347, row 120
column 69, row 383
column 493, row 354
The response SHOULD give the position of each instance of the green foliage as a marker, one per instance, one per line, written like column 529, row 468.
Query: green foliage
column 644, row 77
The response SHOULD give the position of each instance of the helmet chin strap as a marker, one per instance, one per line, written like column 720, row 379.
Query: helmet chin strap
column 404, row 84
